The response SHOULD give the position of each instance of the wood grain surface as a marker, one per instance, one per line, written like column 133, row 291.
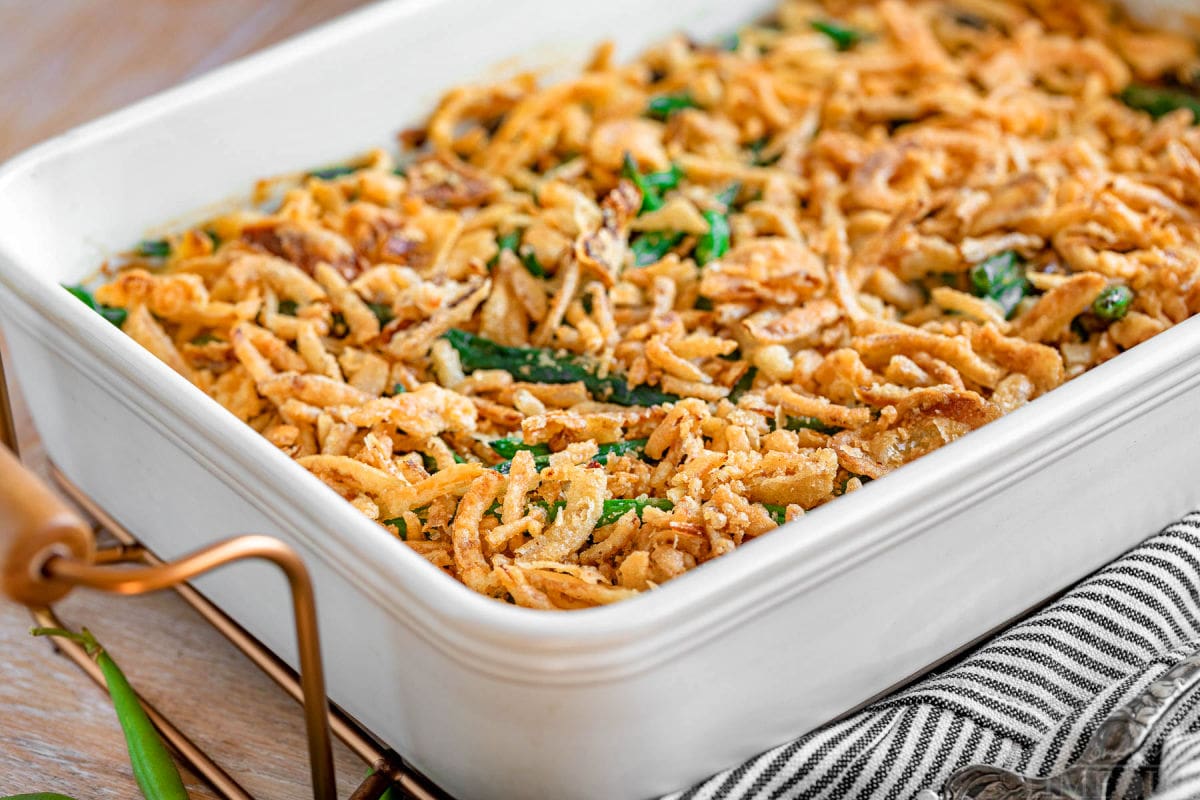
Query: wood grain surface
column 63, row 62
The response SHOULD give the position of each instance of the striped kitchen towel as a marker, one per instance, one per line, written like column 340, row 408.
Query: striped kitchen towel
column 1027, row 700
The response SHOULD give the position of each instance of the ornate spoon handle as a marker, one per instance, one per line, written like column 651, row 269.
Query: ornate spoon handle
column 1121, row 735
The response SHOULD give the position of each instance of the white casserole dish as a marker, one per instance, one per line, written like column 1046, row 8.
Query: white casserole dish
column 494, row 701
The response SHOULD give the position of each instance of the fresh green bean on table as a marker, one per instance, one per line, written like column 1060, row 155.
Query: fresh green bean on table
column 153, row 767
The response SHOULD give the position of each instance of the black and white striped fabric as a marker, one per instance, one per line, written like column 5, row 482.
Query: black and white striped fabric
column 1027, row 700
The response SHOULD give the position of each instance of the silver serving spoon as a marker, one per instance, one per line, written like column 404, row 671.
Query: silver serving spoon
column 1121, row 735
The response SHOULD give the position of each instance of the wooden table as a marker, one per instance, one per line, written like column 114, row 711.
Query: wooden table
column 69, row 62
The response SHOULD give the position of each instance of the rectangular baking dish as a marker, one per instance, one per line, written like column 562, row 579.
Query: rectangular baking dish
column 494, row 701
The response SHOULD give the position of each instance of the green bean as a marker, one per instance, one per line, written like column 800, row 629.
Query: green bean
column 509, row 446
column 113, row 314
column 1156, row 101
column 612, row 510
column 1113, row 303
column 650, row 247
column 400, row 525
column 604, row 452
column 382, row 311
column 287, row 307
column 756, row 153
column 153, row 767
column 841, row 490
column 512, row 241
column 509, row 241
column 530, row 261
column 843, row 37
column 205, row 338
column 743, row 384
column 667, row 179
column 652, row 185
column 1001, row 278
column 545, row 366
column 615, row 509
column 398, row 388
column 664, row 105
column 329, row 173
column 715, row 242
column 809, row 423
column 778, row 513
column 727, row 196
column 431, row 465
column 338, row 327
column 153, row 248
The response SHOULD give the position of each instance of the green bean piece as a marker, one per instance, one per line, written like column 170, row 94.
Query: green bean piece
column 863, row 479
column 731, row 43
column 843, row 36
column 214, row 238
column 530, row 261
column 382, row 312
column 400, row 525
column 1001, row 278
column 604, row 452
column 728, row 196
column 809, row 423
column 664, row 105
column 113, row 314
column 1113, row 303
column 205, row 338
column 628, row 447
column 153, row 248
column 715, row 243
column 508, row 241
column 651, row 200
column 778, row 513
column 509, row 446
column 652, row 185
column 153, row 767
column 1157, row 101
column 650, row 247
column 338, row 327
column 329, row 173
column 398, row 388
column 83, row 295
column 287, row 307
column 667, row 179
column 612, row 510
column 615, row 509
column 545, row 366
column 431, row 465
column 756, row 153
column 743, row 384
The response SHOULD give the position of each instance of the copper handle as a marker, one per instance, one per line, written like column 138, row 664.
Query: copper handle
column 35, row 526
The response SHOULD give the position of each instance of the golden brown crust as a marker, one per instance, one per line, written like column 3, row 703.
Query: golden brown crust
column 919, row 229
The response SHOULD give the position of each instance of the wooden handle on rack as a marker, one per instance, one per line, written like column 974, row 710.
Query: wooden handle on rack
column 35, row 524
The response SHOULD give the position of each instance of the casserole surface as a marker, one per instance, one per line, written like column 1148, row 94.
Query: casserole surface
column 758, row 647
column 587, row 336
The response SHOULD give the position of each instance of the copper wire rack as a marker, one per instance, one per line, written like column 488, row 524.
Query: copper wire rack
column 53, row 566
